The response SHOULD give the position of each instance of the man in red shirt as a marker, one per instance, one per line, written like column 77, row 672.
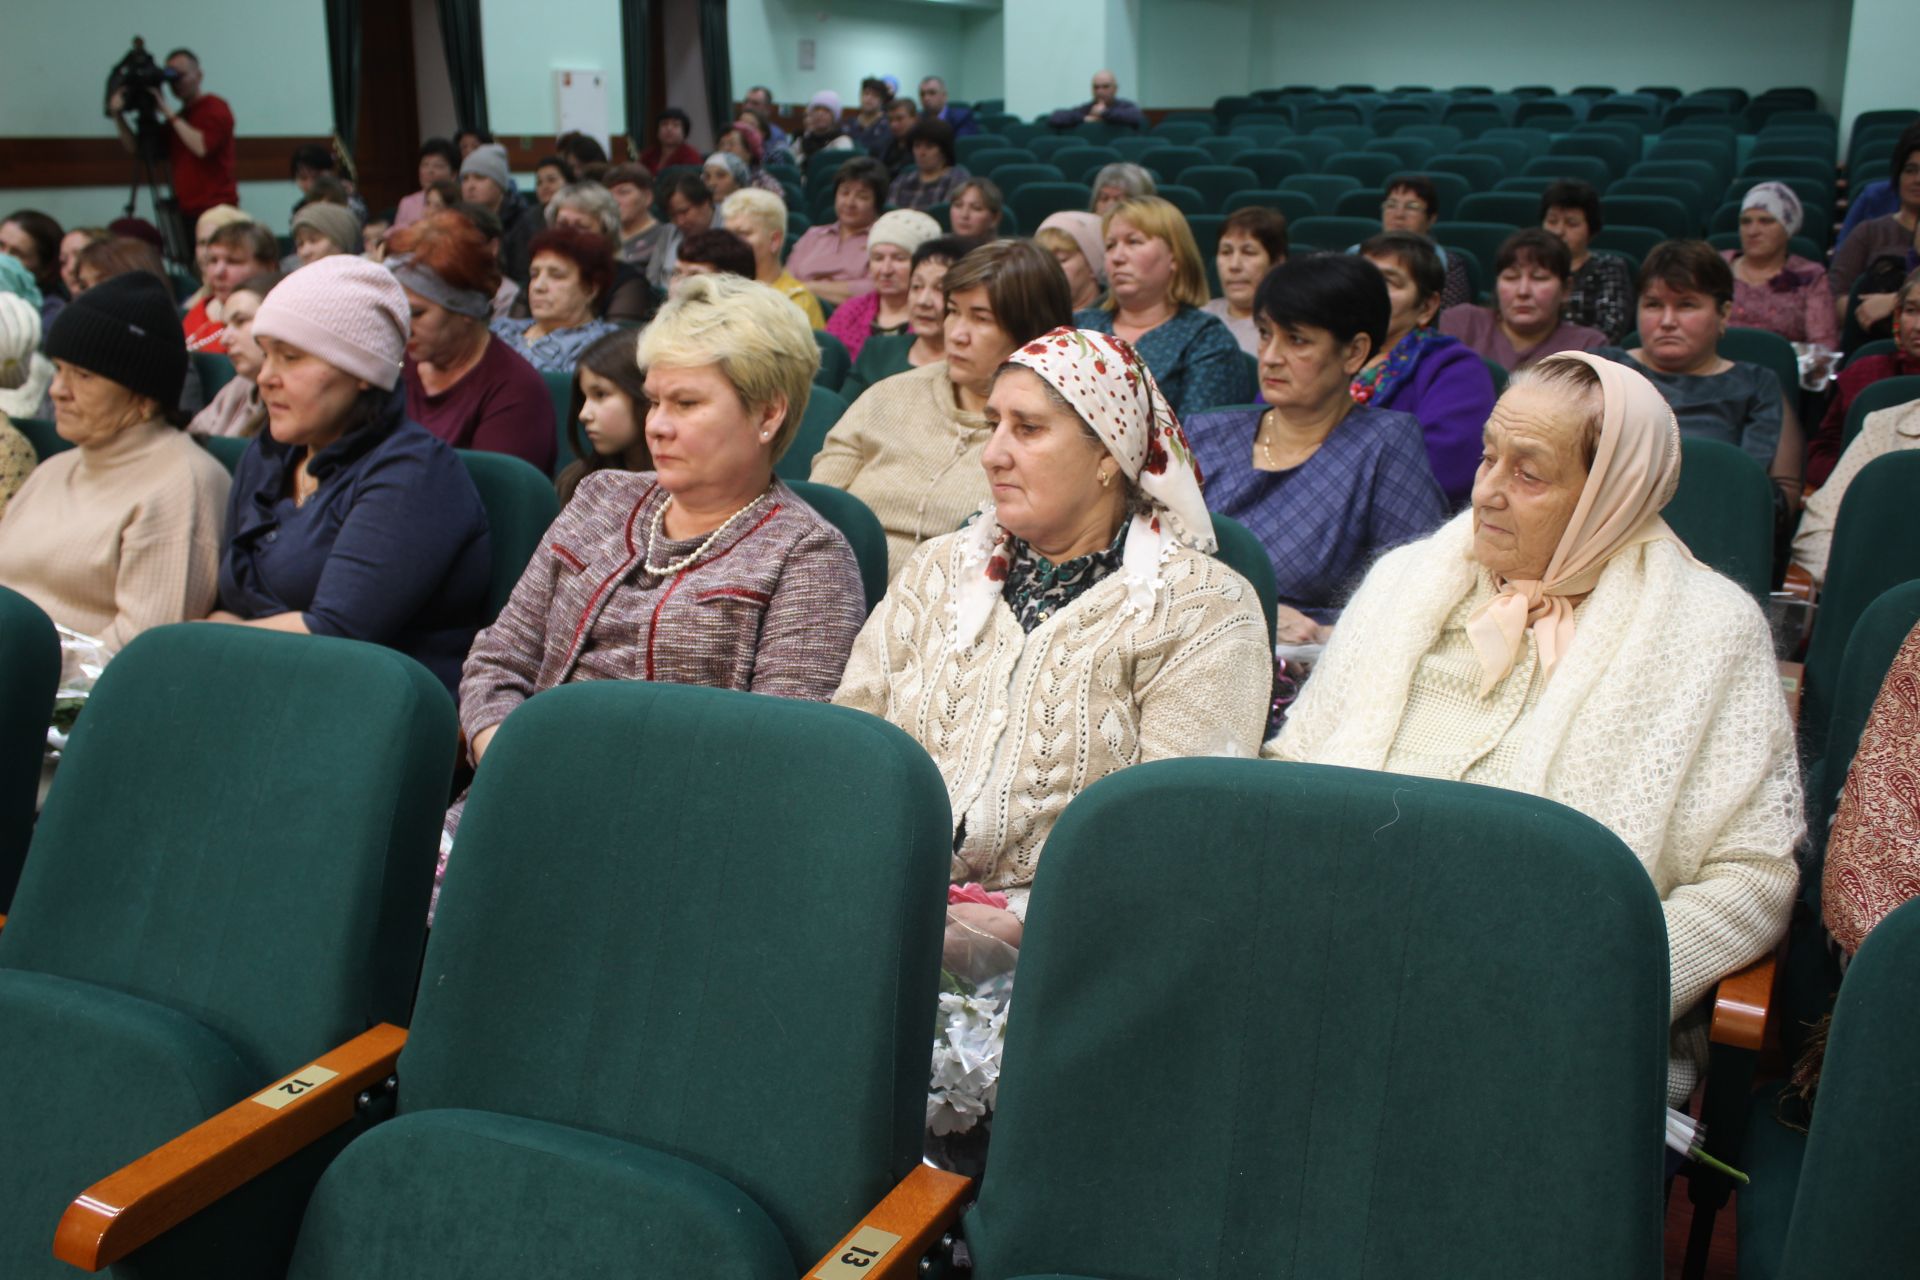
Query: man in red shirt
column 199, row 139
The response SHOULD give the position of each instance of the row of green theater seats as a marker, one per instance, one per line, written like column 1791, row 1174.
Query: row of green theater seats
column 734, row 903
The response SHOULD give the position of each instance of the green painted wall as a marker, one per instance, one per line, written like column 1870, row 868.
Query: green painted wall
column 526, row 41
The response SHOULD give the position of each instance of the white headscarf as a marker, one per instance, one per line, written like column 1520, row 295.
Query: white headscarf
column 1115, row 394
column 1780, row 200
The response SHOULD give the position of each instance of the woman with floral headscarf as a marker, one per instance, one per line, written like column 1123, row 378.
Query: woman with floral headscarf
column 1076, row 626
column 1774, row 289
column 1558, row 639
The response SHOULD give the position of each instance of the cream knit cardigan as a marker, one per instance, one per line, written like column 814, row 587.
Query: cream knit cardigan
column 1664, row 721
column 1019, row 723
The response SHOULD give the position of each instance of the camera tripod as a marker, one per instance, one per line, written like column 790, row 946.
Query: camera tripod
column 152, row 170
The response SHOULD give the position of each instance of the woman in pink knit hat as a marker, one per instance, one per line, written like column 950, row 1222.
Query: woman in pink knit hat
column 346, row 518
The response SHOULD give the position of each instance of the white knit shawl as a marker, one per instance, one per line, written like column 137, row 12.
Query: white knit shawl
column 1665, row 722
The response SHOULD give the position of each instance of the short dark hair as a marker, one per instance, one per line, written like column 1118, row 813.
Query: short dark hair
column 1420, row 185
column 880, row 87
column 1024, row 283
column 1571, row 193
column 949, row 249
column 259, row 242
column 1541, row 248
column 449, row 191
column 260, row 283
column 560, row 162
column 690, row 187
column 1416, row 256
column 1268, row 226
column 1689, row 266
column 1904, row 146
column 442, row 147
column 1338, row 292
column 904, row 104
column 581, row 148
column 484, row 220
column 586, row 250
column 480, row 136
column 636, row 175
column 935, row 130
column 868, row 171
column 720, row 249
column 182, row 52
column 311, row 155
column 674, row 113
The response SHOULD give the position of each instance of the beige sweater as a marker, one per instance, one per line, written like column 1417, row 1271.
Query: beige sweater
column 115, row 539
column 1887, row 431
column 1664, row 722
column 235, row 410
column 1019, row 723
column 907, row 450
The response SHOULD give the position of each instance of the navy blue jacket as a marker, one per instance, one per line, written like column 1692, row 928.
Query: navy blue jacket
column 392, row 548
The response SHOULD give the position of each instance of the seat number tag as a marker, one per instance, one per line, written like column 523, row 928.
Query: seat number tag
column 859, row 1255
column 295, row 1086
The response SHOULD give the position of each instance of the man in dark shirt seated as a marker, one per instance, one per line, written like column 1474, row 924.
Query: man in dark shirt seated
column 933, row 102
column 1106, row 106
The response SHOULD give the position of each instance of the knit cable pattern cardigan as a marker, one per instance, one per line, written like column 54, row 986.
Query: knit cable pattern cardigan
column 1020, row 723
column 1664, row 722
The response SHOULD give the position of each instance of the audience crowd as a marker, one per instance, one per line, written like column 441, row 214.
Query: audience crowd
column 1457, row 482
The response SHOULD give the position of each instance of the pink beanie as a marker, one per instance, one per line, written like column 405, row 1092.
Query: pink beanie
column 349, row 312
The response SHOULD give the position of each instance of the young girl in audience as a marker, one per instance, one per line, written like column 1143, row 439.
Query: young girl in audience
column 607, row 427
column 236, row 409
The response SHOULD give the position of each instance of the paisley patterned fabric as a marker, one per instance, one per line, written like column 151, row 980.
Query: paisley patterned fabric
column 1873, row 855
column 1037, row 588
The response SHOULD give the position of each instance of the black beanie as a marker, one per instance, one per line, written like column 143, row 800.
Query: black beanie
column 125, row 328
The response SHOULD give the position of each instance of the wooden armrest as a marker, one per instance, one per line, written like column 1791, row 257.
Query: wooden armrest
column 167, row 1186
column 896, row 1234
column 1742, row 1004
column 1799, row 584
column 1793, row 679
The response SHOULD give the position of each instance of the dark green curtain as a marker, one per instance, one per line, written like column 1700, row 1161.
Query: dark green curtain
column 636, row 26
column 716, row 63
column 460, row 36
column 343, row 70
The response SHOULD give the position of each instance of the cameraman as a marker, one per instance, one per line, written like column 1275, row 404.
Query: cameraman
column 199, row 138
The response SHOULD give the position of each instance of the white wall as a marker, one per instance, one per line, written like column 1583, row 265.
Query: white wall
column 1695, row 45
column 852, row 39
column 1880, row 68
column 526, row 41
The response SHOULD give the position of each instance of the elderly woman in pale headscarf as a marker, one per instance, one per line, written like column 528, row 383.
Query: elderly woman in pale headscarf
column 1558, row 639
column 1089, row 566
column 1074, row 238
column 1773, row 288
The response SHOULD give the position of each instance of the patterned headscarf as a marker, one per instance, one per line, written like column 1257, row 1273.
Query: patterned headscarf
column 1115, row 394
column 1778, row 199
column 1636, row 468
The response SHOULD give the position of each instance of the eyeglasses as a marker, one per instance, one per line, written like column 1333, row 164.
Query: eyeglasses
column 1403, row 206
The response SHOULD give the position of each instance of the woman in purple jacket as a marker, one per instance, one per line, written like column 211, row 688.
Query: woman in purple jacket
column 1419, row 370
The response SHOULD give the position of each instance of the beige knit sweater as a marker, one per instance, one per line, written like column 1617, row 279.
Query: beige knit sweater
column 1888, row 431
column 907, row 450
column 1019, row 723
column 1664, row 721
column 17, row 461
column 115, row 539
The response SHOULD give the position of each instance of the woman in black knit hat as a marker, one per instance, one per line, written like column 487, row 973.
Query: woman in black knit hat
column 122, row 532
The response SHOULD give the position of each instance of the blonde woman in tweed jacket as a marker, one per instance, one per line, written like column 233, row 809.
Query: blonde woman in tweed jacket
column 1078, row 626
column 705, row 571
column 1557, row 639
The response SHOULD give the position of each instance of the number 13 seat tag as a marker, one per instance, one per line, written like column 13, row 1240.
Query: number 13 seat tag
column 859, row 1256
column 295, row 1086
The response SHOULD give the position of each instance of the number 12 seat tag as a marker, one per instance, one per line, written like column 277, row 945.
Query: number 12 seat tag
column 295, row 1086
column 859, row 1255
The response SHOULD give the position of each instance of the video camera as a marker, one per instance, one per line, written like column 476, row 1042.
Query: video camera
column 138, row 75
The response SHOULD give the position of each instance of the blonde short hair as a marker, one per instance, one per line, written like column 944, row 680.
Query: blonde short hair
column 763, row 208
column 221, row 215
column 760, row 340
column 1163, row 220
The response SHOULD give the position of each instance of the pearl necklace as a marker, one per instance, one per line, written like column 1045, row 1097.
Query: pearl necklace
column 1260, row 440
column 675, row 566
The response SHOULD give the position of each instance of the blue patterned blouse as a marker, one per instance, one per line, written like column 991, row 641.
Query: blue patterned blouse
column 556, row 352
column 1194, row 357
column 1367, row 489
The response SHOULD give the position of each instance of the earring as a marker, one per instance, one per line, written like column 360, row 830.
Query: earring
column 1106, row 479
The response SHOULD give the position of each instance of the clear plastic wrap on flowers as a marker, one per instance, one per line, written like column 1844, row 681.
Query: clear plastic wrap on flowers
column 969, row 1032
column 82, row 659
